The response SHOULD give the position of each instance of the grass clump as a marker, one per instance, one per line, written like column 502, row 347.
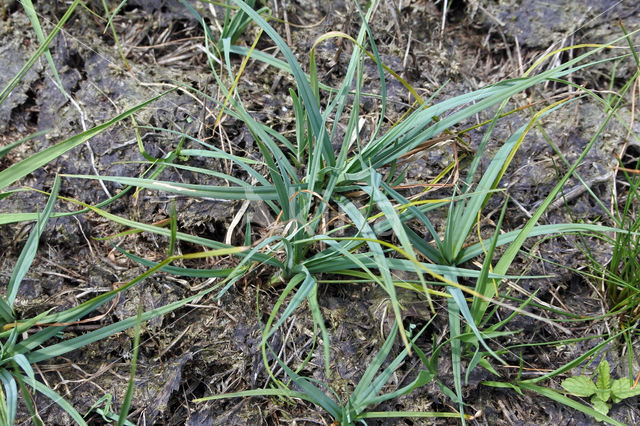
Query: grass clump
column 329, row 173
column 313, row 179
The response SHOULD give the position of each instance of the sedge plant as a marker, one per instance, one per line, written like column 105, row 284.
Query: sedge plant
column 311, row 178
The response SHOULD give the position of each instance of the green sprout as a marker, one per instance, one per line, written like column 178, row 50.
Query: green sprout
column 603, row 389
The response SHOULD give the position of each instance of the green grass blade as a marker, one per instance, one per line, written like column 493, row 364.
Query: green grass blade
column 62, row 348
column 423, row 378
column 313, row 394
column 364, row 391
column 511, row 252
column 410, row 415
column 24, row 364
column 558, row 397
column 459, row 225
column 412, row 212
column 255, row 255
column 6, row 149
column 397, row 225
column 21, row 217
column 39, row 159
column 279, row 64
column 113, row 30
column 456, row 352
column 376, row 59
column 77, row 312
column 5, row 311
column 307, row 284
column 381, row 261
column 198, row 170
column 28, row 253
column 113, row 14
column 10, row 398
column 368, row 392
column 458, row 297
column 176, row 270
column 317, row 318
column 55, row 397
column 28, row 401
column 126, row 401
column 257, row 392
column 483, row 280
column 304, row 89
column 41, row 49
column 30, row 11
column 476, row 249
column 35, row 340
column 248, row 192
column 173, row 228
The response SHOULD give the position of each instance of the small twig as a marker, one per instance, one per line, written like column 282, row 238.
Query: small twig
column 287, row 27
column 575, row 192
column 406, row 52
column 236, row 220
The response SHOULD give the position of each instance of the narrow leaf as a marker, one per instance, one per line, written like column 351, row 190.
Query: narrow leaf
column 39, row 159
column 29, row 250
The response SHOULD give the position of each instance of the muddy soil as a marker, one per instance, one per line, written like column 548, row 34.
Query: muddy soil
column 211, row 346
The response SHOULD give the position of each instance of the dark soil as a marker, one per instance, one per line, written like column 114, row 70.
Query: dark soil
column 212, row 346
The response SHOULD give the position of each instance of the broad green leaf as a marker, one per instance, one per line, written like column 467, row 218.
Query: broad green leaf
column 600, row 406
column 623, row 389
column 579, row 386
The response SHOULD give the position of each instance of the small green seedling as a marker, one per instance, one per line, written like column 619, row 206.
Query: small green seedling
column 603, row 390
column 107, row 415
